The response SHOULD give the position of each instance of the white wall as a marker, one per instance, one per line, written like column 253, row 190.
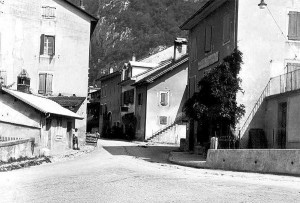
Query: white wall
column 265, row 49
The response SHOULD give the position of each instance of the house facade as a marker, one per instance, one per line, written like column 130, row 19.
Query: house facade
column 159, row 102
column 110, row 102
column 268, row 39
column 49, row 40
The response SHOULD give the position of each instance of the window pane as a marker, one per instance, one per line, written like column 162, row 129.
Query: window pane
column 164, row 98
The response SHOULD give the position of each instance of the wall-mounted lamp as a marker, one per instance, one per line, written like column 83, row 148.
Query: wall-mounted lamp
column 262, row 4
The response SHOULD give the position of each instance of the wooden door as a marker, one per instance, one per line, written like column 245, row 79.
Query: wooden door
column 282, row 119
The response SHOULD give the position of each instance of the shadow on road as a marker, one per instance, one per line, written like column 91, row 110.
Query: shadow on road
column 150, row 153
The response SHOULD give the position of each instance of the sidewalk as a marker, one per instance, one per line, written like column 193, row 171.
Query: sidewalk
column 188, row 159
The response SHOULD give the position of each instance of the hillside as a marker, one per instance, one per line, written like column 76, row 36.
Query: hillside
column 126, row 27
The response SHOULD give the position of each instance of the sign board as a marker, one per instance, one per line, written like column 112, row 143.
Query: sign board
column 209, row 60
column 58, row 137
column 91, row 139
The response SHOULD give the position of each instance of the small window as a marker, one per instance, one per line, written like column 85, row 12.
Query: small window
column 294, row 25
column 163, row 120
column 48, row 12
column 164, row 98
column 47, row 45
column 3, row 77
column 226, row 28
column 208, row 37
column 128, row 97
column 45, row 83
column 140, row 99
column 292, row 67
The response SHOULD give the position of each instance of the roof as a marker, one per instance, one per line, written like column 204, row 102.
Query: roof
column 93, row 18
column 161, row 71
column 143, row 64
column 111, row 75
column 206, row 7
column 65, row 101
column 163, row 55
column 42, row 104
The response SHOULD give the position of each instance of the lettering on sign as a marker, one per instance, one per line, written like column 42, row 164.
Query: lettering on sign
column 209, row 60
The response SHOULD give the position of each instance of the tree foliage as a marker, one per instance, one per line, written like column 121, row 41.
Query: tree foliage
column 216, row 99
column 134, row 26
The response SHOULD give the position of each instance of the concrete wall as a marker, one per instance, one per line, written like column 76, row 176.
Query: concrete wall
column 175, row 83
column 265, row 50
column 263, row 161
column 21, row 25
column 17, row 149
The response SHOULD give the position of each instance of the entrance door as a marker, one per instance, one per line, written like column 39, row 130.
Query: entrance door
column 48, row 129
column 282, row 117
column 191, row 135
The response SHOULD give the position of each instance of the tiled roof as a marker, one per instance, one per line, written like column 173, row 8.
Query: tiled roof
column 65, row 101
column 42, row 104
column 162, row 71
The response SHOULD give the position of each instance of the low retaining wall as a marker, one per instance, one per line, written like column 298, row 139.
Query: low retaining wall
column 281, row 161
column 17, row 149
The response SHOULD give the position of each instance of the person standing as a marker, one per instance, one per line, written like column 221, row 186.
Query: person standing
column 75, row 139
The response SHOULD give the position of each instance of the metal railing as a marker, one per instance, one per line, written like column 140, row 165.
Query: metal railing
column 276, row 85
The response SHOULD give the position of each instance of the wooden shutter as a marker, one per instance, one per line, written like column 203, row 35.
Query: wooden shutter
column 42, row 44
column 226, row 28
column 49, row 78
column 42, row 83
column 208, row 36
column 294, row 25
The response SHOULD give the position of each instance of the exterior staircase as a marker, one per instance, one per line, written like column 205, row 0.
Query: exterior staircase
column 178, row 120
column 276, row 85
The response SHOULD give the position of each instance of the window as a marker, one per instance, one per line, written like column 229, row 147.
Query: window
column 140, row 99
column 2, row 77
column 59, row 129
column 128, row 97
column 48, row 12
column 292, row 67
column 294, row 25
column 47, row 45
column 164, row 98
column 226, row 28
column 45, row 83
column 163, row 120
column 208, row 36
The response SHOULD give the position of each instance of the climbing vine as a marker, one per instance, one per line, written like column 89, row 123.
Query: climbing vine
column 215, row 102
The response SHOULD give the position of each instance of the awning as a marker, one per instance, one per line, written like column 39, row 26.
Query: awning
column 42, row 104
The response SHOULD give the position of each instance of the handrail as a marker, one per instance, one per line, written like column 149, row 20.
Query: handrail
column 287, row 82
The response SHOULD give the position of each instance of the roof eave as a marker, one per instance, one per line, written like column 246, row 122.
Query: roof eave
column 201, row 14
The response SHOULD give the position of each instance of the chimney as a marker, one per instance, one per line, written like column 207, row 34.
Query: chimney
column 180, row 48
column 133, row 57
column 81, row 5
column 23, row 83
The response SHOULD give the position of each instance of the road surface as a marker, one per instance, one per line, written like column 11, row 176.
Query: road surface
column 132, row 172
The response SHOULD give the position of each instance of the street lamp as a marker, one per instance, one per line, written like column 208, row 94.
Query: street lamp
column 262, row 4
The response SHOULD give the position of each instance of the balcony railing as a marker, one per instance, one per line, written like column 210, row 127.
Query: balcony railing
column 276, row 85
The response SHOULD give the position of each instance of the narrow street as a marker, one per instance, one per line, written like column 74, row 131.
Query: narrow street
column 132, row 172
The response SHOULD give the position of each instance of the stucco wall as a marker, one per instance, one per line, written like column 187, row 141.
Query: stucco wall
column 265, row 50
column 264, row 161
column 175, row 82
column 17, row 149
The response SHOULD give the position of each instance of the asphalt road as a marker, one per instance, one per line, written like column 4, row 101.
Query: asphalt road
column 133, row 172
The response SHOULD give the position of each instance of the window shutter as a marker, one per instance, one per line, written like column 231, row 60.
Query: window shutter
column 42, row 44
column 53, row 48
column 208, row 36
column 294, row 25
column 42, row 83
column 49, row 83
column 226, row 28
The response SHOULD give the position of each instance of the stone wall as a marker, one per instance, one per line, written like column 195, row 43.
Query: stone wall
column 276, row 161
column 17, row 149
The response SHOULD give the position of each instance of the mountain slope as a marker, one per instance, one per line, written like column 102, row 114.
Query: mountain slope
column 126, row 27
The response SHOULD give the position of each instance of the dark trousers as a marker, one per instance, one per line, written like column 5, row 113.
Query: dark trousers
column 75, row 142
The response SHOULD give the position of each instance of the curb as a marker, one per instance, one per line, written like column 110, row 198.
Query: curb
column 193, row 164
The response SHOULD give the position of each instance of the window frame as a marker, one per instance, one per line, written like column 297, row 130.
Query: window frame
column 44, row 49
column 160, row 98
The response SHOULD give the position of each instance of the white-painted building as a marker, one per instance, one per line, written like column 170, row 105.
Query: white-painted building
column 50, row 40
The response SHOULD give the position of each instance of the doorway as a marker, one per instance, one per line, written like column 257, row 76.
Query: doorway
column 282, row 118
column 48, row 130
column 69, row 133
